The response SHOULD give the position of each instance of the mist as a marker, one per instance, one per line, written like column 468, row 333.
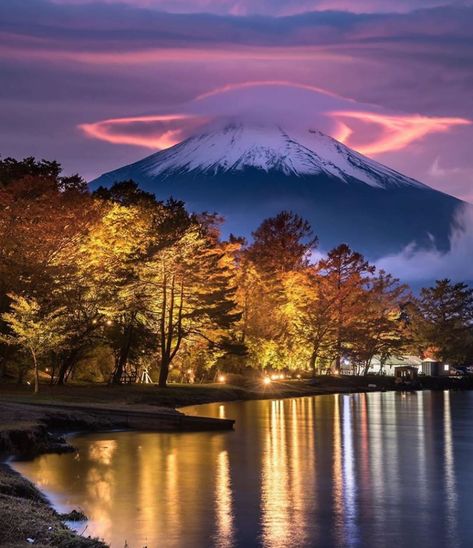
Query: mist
column 417, row 265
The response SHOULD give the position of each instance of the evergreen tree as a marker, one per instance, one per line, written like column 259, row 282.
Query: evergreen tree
column 443, row 321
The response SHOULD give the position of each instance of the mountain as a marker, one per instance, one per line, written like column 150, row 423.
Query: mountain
column 248, row 173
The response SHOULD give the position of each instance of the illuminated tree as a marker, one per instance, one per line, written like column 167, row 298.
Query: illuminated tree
column 312, row 314
column 190, row 294
column 379, row 329
column 110, row 262
column 346, row 275
column 282, row 247
column 42, row 214
column 33, row 329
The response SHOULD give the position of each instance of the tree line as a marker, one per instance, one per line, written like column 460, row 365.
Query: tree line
column 102, row 286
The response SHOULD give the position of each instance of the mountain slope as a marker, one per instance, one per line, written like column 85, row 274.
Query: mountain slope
column 248, row 173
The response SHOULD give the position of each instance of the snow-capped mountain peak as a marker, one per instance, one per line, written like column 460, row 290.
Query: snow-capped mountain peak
column 236, row 147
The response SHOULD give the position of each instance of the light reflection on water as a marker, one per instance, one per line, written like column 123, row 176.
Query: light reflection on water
column 368, row 470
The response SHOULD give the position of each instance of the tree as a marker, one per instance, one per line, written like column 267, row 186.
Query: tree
column 109, row 262
column 42, row 214
column 346, row 274
column 33, row 329
column 191, row 294
column 312, row 313
column 282, row 244
column 443, row 321
column 281, row 248
column 379, row 330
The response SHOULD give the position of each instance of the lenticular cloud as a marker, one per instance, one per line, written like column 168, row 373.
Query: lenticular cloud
column 363, row 127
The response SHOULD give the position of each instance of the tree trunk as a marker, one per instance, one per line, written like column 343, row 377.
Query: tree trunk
column 312, row 362
column 61, row 375
column 66, row 367
column 170, row 329
column 338, row 361
column 123, row 356
column 36, row 372
column 163, row 372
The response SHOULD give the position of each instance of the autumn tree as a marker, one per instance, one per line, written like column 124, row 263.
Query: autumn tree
column 312, row 313
column 191, row 294
column 281, row 247
column 346, row 274
column 34, row 329
column 41, row 214
column 379, row 329
column 110, row 261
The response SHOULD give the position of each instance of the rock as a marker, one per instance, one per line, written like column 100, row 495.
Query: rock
column 74, row 515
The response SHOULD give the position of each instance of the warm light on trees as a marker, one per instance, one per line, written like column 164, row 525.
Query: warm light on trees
column 120, row 279
column 33, row 329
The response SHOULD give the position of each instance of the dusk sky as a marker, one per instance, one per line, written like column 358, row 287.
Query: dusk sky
column 99, row 85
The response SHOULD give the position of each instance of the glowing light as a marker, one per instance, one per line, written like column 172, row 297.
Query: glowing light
column 267, row 380
column 221, row 378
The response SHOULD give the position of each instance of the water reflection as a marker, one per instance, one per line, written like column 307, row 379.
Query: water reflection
column 350, row 470
column 223, row 503
column 349, row 482
column 450, row 487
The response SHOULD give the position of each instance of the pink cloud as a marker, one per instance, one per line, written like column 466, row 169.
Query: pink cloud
column 278, row 102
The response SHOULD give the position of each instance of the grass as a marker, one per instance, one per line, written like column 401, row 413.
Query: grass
column 179, row 395
column 26, row 514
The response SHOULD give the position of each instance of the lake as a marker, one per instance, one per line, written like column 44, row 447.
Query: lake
column 370, row 470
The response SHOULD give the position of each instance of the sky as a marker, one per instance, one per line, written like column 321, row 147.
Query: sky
column 96, row 85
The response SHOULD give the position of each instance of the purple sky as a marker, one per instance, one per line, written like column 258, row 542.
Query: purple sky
column 394, row 78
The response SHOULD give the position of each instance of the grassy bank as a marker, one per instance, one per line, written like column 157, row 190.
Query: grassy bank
column 180, row 395
column 26, row 517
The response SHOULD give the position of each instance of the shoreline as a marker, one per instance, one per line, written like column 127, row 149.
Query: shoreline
column 27, row 517
column 31, row 425
column 27, row 430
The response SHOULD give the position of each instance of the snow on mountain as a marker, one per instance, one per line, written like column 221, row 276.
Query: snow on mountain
column 249, row 173
column 237, row 147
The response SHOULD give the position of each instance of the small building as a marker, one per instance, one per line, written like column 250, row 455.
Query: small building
column 387, row 367
column 434, row 368
column 405, row 374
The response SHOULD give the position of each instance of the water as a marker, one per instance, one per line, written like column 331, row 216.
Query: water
column 371, row 470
